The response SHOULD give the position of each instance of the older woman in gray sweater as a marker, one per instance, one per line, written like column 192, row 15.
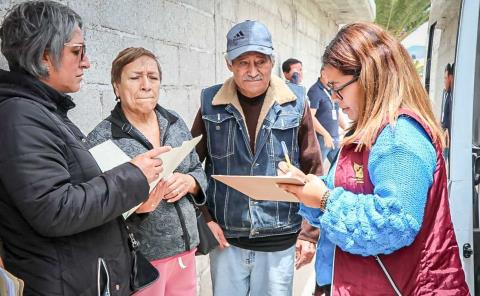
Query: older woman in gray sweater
column 166, row 223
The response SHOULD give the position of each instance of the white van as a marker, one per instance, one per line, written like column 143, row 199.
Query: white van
column 454, row 37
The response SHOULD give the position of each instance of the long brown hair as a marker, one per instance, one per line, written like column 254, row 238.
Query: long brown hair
column 387, row 77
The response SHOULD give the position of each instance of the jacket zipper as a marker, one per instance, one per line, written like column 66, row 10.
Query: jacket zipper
column 102, row 265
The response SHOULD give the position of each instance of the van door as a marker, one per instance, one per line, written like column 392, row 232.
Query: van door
column 464, row 138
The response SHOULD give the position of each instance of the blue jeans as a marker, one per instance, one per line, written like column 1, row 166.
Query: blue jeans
column 240, row 272
column 326, row 152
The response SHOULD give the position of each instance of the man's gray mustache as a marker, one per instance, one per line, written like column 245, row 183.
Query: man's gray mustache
column 256, row 78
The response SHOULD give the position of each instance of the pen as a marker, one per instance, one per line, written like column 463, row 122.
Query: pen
column 285, row 152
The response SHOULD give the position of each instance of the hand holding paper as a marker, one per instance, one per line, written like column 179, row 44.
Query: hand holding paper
column 150, row 162
column 177, row 186
column 172, row 158
column 108, row 155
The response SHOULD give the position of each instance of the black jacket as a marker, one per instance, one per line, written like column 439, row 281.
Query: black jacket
column 58, row 213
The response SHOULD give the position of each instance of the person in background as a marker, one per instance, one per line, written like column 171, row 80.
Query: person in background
column 326, row 117
column 60, row 216
column 243, row 122
column 384, row 203
column 446, row 112
column 292, row 70
column 167, row 228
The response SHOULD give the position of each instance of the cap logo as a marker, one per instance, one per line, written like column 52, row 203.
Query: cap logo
column 238, row 36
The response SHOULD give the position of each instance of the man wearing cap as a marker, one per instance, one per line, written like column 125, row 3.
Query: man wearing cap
column 243, row 122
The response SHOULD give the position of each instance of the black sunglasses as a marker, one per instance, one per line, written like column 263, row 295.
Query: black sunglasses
column 341, row 87
column 83, row 48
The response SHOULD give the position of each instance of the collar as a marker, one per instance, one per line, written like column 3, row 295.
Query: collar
column 320, row 84
column 121, row 125
column 277, row 92
column 22, row 84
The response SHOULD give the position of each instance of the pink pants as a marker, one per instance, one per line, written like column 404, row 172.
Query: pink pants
column 178, row 276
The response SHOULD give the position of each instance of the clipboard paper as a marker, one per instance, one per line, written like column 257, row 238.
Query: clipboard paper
column 261, row 187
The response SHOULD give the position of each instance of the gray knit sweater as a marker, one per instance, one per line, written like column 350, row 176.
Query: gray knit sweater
column 160, row 232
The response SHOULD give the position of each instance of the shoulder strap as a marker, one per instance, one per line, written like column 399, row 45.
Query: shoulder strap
column 128, row 129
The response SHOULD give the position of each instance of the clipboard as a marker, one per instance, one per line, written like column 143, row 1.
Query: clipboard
column 261, row 187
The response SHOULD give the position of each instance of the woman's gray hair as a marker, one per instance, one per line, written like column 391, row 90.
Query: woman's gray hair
column 32, row 28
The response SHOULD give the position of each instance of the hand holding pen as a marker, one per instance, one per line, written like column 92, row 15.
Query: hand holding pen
column 307, row 193
column 286, row 168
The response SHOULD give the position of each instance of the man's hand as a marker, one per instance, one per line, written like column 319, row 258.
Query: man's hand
column 304, row 252
column 218, row 233
column 328, row 140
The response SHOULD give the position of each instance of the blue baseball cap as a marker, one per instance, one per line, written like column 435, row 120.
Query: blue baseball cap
column 248, row 36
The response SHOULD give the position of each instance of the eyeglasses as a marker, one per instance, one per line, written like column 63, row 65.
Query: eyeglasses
column 341, row 87
column 82, row 46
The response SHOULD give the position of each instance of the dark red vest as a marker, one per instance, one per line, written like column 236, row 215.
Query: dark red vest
column 429, row 266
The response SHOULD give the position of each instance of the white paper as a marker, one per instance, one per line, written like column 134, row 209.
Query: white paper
column 174, row 157
column 108, row 155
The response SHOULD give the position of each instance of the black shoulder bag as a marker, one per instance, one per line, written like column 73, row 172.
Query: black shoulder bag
column 208, row 241
column 143, row 272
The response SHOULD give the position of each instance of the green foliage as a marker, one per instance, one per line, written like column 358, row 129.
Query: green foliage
column 419, row 67
column 402, row 17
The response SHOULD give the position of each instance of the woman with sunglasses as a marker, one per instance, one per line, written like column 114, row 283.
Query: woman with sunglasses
column 384, row 202
column 61, row 219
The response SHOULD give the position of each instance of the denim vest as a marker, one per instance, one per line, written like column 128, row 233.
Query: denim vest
column 229, row 153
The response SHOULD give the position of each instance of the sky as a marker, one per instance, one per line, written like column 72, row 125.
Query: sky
column 417, row 37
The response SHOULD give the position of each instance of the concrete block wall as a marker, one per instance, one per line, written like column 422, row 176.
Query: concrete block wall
column 188, row 36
